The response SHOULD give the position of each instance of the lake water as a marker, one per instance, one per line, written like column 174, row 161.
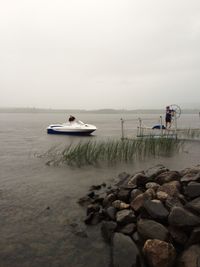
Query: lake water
column 41, row 223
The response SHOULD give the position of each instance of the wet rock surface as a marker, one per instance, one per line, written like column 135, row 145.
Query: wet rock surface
column 150, row 218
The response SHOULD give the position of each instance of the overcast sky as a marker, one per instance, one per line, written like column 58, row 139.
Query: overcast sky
column 91, row 54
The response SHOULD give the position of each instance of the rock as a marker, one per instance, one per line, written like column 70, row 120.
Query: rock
column 194, row 237
column 128, row 229
column 167, row 176
column 134, row 193
column 150, row 193
column 162, row 196
column 124, row 252
column 149, row 229
column 190, row 178
column 156, row 209
column 171, row 188
column 190, row 257
column 159, row 253
column 178, row 235
column 125, row 217
column 155, row 171
column 111, row 213
column 93, row 218
column 180, row 217
column 136, row 237
column 193, row 190
column 108, row 229
column 191, row 171
column 91, row 194
column 137, row 203
column 109, row 199
column 92, row 208
column 152, row 185
column 172, row 202
column 122, row 179
column 139, row 179
column 194, row 205
column 120, row 205
column 123, row 195
column 83, row 201
column 95, row 187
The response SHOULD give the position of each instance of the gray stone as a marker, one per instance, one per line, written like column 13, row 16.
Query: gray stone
column 128, row 229
column 149, row 229
column 190, row 257
column 124, row 252
column 172, row 202
column 155, row 171
column 125, row 217
column 107, row 230
column 180, row 217
column 111, row 213
column 167, row 176
column 193, row 190
column 194, row 205
column 138, row 202
column 194, row 237
column 134, row 193
column 178, row 235
column 156, row 209
column 123, row 194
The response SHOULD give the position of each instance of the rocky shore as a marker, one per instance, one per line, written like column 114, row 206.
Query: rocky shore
column 150, row 218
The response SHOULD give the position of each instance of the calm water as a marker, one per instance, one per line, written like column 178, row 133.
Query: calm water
column 40, row 220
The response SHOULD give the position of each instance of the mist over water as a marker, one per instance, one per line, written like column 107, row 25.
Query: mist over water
column 41, row 223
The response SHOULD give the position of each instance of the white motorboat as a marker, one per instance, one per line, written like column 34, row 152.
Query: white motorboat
column 71, row 128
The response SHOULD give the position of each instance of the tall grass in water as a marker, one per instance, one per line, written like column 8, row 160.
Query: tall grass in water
column 189, row 133
column 113, row 151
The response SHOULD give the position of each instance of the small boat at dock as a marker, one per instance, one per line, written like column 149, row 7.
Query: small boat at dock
column 71, row 128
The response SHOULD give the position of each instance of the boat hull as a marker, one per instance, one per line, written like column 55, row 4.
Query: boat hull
column 79, row 133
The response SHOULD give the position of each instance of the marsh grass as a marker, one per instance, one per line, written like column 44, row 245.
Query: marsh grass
column 189, row 133
column 114, row 151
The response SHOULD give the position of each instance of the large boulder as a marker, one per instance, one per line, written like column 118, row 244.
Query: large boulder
column 167, row 176
column 154, row 171
column 138, row 202
column 149, row 229
column 159, row 253
column 192, row 190
column 190, row 257
column 139, row 179
column 124, row 252
column 179, row 236
column 194, row 205
column 181, row 217
column 171, row 188
column 194, row 237
column 156, row 209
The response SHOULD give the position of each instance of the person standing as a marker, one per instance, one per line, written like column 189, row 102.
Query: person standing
column 71, row 118
column 168, row 117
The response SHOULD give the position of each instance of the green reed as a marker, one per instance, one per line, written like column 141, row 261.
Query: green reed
column 113, row 151
column 189, row 133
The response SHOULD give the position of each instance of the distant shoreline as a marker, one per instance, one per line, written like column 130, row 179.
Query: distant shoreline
column 95, row 111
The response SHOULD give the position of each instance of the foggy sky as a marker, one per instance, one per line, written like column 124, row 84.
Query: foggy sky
column 91, row 54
